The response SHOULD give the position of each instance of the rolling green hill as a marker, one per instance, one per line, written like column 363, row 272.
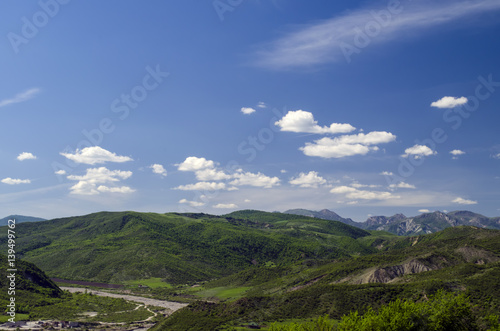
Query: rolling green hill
column 121, row 246
column 461, row 259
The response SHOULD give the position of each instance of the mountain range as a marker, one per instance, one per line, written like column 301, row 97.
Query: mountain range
column 402, row 225
column 258, row 266
column 21, row 219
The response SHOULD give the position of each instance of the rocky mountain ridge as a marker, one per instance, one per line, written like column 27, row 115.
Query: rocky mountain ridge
column 402, row 225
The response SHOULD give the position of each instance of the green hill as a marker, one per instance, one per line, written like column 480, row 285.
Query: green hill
column 120, row 246
column 32, row 287
column 460, row 259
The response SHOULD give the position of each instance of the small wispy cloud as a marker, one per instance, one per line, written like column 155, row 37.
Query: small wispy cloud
column 20, row 97
column 325, row 41
column 158, row 169
column 192, row 203
column 225, row 206
column 26, row 156
column 449, row 102
column 418, row 151
column 15, row 181
column 462, row 201
column 95, row 155
column 247, row 110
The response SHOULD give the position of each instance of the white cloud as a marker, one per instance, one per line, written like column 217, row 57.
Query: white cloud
column 402, row 185
column 283, row 171
column 303, row 122
column 386, row 173
column 202, row 186
column 248, row 200
column 355, row 184
column 95, row 155
column 462, row 201
column 247, row 110
column 355, row 194
column 257, row 180
column 424, row 211
column 192, row 203
column 347, row 145
column 225, row 206
column 194, row 163
column 26, row 156
column 20, row 97
column 158, row 169
column 12, row 181
column 261, row 105
column 449, row 102
column 497, row 156
column 325, row 41
column 60, row 172
column 121, row 189
column 88, row 184
column 211, row 174
column 457, row 152
column 309, row 180
column 418, row 151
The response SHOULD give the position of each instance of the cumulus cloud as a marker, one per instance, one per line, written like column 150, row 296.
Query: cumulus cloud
column 194, row 163
column 418, row 151
column 211, row 174
column 121, row 189
column 12, row 181
column 192, row 203
column 462, row 201
column 95, row 155
column 449, row 102
column 20, row 97
column 252, row 179
column 60, row 172
column 457, row 152
column 158, row 169
column 347, row 145
column 202, row 186
column 355, row 194
column 358, row 185
column 26, row 156
column 402, row 185
column 303, row 122
column 329, row 40
column 247, row 110
column 309, row 180
column 225, row 206
column 91, row 182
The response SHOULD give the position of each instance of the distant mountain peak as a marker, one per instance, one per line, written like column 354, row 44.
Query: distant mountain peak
column 402, row 225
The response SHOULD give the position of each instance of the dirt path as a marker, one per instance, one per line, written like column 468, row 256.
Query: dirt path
column 146, row 301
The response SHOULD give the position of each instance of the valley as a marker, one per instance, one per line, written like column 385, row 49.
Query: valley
column 207, row 272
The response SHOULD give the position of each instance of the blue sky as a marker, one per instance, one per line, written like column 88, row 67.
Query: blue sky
column 361, row 107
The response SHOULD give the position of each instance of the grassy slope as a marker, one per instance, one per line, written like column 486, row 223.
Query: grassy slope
column 122, row 246
column 304, row 291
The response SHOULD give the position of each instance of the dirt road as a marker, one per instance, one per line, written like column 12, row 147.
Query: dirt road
column 146, row 301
